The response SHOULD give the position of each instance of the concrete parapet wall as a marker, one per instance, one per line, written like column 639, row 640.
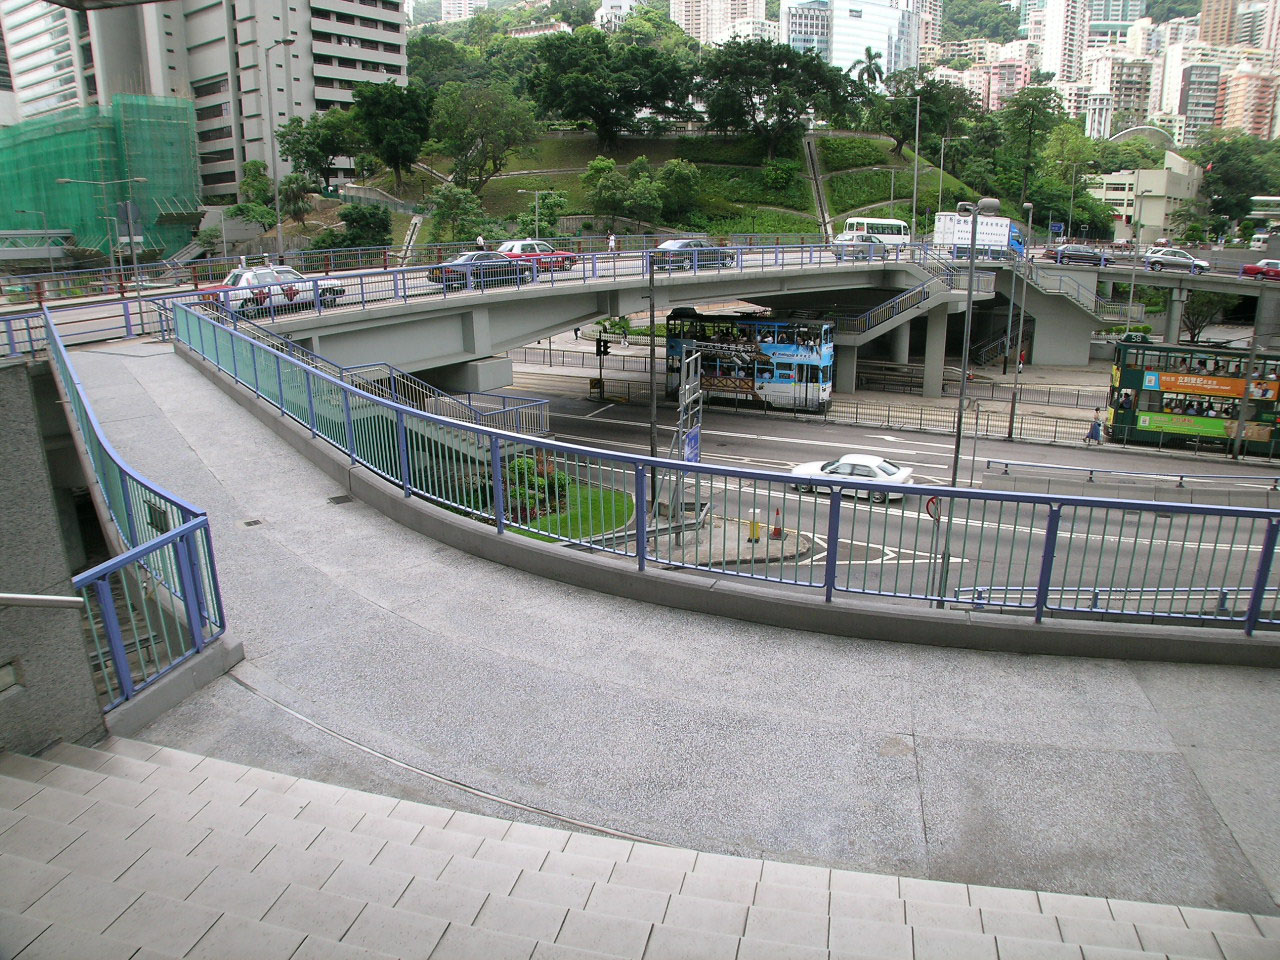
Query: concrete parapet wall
column 755, row 603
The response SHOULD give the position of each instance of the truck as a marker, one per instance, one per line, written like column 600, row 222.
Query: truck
column 999, row 238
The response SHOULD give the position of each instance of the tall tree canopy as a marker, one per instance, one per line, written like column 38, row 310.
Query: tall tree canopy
column 313, row 145
column 766, row 89
column 1237, row 167
column 395, row 121
column 480, row 127
column 1029, row 115
column 963, row 19
column 586, row 77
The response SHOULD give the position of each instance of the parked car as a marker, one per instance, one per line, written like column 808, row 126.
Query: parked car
column 1171, row 258
column 482, row 268
column 540, row 252
column 255, row 290
column 855, row 466
column 1263, row 270
column 1076, row 253
column 858, row 246
column 685, row 254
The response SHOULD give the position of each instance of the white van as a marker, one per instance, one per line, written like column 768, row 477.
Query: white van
column 1259, row 241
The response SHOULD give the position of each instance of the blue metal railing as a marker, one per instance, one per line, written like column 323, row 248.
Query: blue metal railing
column 1033, row 554
column 157, row 603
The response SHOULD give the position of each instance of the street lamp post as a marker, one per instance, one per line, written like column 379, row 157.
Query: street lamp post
column 1029, row 209
column 271, row 132
column 537, row 210
column 44, row 222
column 1133, row 266
column 942, row 170
column 915, row 171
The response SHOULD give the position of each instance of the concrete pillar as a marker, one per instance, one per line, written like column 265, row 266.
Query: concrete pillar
column 1266, row 320
column 1106, row 288
column 901, row 345
column 846, row 369
column 935, row 350
column 1173, row 319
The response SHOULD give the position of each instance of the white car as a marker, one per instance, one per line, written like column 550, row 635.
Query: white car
column 1172, row 258
column 255, row 290
column 856, row 466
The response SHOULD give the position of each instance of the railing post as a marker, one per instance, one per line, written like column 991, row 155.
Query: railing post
column 128, row 324
column 402, row 448
column 1265, row 558
column 311, row 402
column 111, row 626
column 351, row 433
column 190, row 592
column 833, row 542
column 280, row 384
column 499, row 493
column 642, row 516
column 1046, row 559
column 235, row 371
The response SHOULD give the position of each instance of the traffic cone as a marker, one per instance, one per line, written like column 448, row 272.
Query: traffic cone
column 776, row 534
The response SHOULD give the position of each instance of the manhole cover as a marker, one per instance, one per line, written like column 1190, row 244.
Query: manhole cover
column 253, row 523
column 344, row 498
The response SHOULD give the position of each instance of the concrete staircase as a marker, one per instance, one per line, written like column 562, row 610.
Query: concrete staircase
column 137, row 851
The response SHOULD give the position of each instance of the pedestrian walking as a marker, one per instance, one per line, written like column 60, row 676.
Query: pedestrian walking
column 613, row 242
column 575, row 332
column 1095, row 429
column 1022, row 357
column 480, row 242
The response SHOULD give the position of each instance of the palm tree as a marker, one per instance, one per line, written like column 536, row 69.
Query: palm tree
column 868, row 71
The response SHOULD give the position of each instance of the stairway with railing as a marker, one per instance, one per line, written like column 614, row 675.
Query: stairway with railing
column 941, row 282
column 1106, row 311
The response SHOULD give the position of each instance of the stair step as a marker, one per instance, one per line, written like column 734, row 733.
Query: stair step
column 107, row 850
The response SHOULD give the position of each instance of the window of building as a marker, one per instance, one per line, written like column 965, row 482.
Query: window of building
column 215, row 179
column 218, row 156
column 213, row 112
column 214, row 133
column 210, row 88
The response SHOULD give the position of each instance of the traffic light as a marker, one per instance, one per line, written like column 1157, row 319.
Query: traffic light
column 602, row 347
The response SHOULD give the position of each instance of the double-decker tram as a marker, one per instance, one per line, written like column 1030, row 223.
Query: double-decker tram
column 1171, row 395
column 755, row 359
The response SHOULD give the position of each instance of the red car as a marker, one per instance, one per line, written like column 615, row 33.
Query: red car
column 1263, row 270
column 544, row 254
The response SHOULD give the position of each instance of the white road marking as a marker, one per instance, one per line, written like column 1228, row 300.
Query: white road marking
column 594, row 412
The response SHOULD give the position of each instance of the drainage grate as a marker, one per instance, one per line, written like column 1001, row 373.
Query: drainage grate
column 253, row 523
column 344, row 498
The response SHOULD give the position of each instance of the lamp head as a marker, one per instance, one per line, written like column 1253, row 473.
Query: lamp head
column 62, row 180
column 139, row 180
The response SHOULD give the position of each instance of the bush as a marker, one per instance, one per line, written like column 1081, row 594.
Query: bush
column 849, row 191
column 762, row 222
column 737, row 150
column 846, row 153
column 780, row 174
column 750, row 185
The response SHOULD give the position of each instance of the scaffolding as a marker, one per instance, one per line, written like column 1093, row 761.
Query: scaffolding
column 136, row 136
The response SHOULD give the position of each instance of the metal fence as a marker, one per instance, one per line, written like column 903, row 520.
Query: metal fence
column 157, row 603
column 1018, row 553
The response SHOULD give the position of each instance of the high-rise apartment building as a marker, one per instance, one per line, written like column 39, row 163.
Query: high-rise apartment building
column 50, row 57
column 1198, row 97
column 1247, row 101
column 1251, row 22
column 806, row 26
column 1271, row 32
column 8, row 102
column 888, row 27
column 1125, row 78
column 1109, row 20
column 930, row 21
column 452, row 11
column 215, row 54
column 1066, row 26
column 705, row 20
column 1218, row 21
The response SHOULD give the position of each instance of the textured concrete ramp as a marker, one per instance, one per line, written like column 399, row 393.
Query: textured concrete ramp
column 1135, row 781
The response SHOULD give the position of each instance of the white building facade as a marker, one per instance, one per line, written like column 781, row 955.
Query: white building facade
column 889, row 27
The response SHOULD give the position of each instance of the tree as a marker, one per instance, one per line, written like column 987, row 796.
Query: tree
column 1164, row 10
column 480, row 128
column 943, row 106
column 767, row 89
column 456, row 214
column 681, row 187
column 1028, row 116
column 395, row 121
column 312, row 146
column 294, row 190
column 258, row 213
column 607, row 189
column 644, row 199
column 869, row 71
column 1202, row 309
column 362, row 227
column 585, row 77
column 255, row 186
column 1235, row 168
column 963, row 19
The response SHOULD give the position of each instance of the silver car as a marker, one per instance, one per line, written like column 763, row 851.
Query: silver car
column 1171, row 258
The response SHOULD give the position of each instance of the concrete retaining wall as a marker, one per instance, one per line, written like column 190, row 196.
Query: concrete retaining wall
column 755, row 603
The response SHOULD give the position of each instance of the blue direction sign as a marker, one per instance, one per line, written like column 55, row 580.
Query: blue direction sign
column 693, row 444
column 1055, row 228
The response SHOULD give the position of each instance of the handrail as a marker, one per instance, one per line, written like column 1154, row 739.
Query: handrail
column 1060, row 540
column 1227, row 477
column 38, row 600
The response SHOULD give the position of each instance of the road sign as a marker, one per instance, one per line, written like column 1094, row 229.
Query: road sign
column 693, row 444
column 931, row 508
column 1055, row 228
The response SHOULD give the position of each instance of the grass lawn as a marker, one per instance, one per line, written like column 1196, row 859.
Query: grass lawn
column 589, row 511
column 748, row 220
column 503, row 202
column 555, row 153
column 847, row 192
column 747, row 185
column 847, row 153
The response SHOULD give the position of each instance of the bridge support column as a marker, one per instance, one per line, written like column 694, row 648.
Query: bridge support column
column 846, row 370
column 1266, row 319
column 935, row 350
column 901, row 344
column 1173, row 319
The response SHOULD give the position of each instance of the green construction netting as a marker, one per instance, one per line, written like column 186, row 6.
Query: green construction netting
column 136, row 136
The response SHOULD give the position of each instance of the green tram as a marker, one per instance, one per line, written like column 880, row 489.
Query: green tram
column 1178, row 395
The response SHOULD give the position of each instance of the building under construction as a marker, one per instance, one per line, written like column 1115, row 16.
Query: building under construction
column 139, row 150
